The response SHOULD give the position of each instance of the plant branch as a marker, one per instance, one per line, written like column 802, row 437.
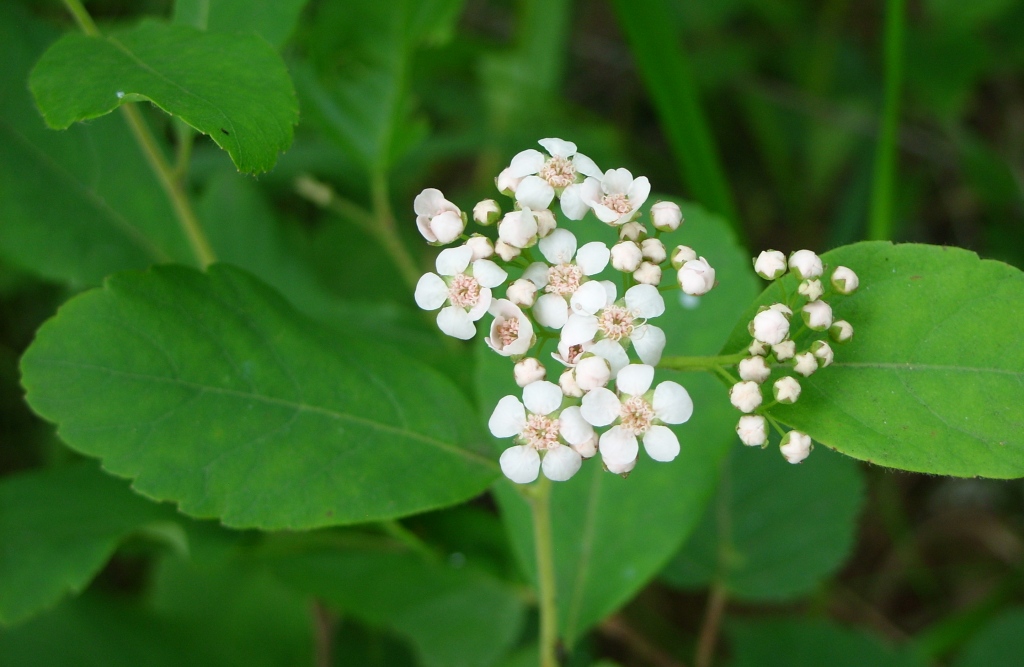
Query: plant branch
column 701, row 363
column 540, row 505
column 616, row 628
column 386, row 231
column 880, row 224
column 712, row 622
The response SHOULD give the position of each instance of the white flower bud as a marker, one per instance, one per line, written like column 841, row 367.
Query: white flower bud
column 632, row 231
column 817, row 315
column 769, row 326
column 587, row 448
column 506, row 251
column 805, row 364
column 654, row 250
column 754, row 369
column 626, row 256
column 782, row 308
column 745, row 396
column 758, row 349
column 486, row 212
column 447, row 227
column 811, row 289
column 506, row 183
column 682, row 254
column 844, row 280
column 481, row 246
column 620, row 468
column 648, row 274
column 592, row 372
column 770, row 264
column 528, row 370
column 841, row 331
column 786, row 390
column 521, row 292
column 546, row 222
column 518, row 228
column 806, row 264
column 795, row 446
column 753, row 430
column 666, row 216
column 567, row 381
column 696, row 277
column 784, row 350
column 823, row 351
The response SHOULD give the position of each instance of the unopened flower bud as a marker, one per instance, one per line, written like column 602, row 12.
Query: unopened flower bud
column 654, row 250
column 769, row 326
column 481, row 246
column 648, row 274
column 626, row 256
column 758, row 349
column 811, row 289
column 546, row 222
column 782, row 308
column 770, row 264
column 567, row 381
column 622, row 469
column 521, row 292
column 795, row 446
column 518, row 228
column 806, row 264
column 784, row 350
column 841, row 331
column 745, row 396
column 632, row 231
column 666, row 216
column 505, row 251
column 696, row 277
column 823, row 351
column 844, row 280
column 592, row 372
column 507, row 183
column 753, row 430
column 817, row 315
column 486, row 212
column 805, row 363
column 682, row 254
column 754, row 369
column 587, row 448
column 447, row 227
column 786, row 390
column 528, row 370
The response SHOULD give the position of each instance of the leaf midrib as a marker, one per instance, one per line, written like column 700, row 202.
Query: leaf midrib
column 912, row 366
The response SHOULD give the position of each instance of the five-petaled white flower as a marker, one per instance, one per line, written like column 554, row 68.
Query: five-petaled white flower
column 542, row 177
column 439, row 221
column 465, row 287
column 637, row 412
column 565, row 276
column 539, row 425
column 596, row 314
column 616, row 197
column 511, row 330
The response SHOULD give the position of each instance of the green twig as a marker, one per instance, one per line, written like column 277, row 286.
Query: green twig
column 880, row 224
column 386, row 231
column 701, row 363
column 540, row 505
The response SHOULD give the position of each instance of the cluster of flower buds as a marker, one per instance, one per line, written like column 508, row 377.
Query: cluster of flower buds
column 774, row 346
column 606, row 343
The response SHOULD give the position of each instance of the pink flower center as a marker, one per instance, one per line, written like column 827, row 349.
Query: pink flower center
column 540, row 432
column 615, row 322
column 508, row 331
column 559, row 172
column 564, row 279
column 574, row 353
column 618, row 203
column 464, row 291
column 636, row 415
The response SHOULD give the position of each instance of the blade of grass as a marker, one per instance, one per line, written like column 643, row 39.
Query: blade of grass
column 880, row 223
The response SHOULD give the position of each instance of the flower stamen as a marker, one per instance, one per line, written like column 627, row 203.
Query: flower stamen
column 464, row 291
column 616, row 322
column 564, row 279
column 558, row 172
column 636, row 415
column 540, row 432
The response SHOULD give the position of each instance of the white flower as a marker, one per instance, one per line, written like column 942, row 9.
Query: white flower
column 757, row 349
column 608, row 350
column 511, row 330
column 786, row 390
column 565, row 276
column 817, row 315
column 682, row 254
column 506, row 183
column 522, row 292
column 518, row 228
column 481, row 246
column 784, row 350
column 805, row 364
column 439, row 221
column 486, row 212
column 770, row 327
column 567, row 383
column 753, row 430
column 754, row 369
column 528, row 371
column 841, row 331
column 654, row 250
column 696, row 277
column 811, row 289
column 468, row 292
column 770, row 264
column 539, row 426
column 545, row 176
column 506, row 251
column 546, row 222
column 592, row 372
column 648, row 274
column 666, row 216
column 844, row 280
column 597, row 314
column 823, row 351
column 588, row 448
column 626, row 256
column 745, row 396
column 616, row 197
column 637, row 413
column 806, row 264
column 632, row 231
column 795, row 446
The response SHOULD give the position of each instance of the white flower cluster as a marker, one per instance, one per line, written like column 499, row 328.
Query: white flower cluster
column 605, row 341
column 774, row 347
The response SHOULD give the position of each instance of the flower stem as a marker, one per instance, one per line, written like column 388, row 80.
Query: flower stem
column 701, row 363
column 540, row 504
column 884, row 179
column 387, row 232
column 712, row 622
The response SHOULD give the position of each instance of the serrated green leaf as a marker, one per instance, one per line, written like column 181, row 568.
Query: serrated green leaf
column 768, row 536
column 933, row 379
column 274, row 20
column 211, row 391
column 58, row 527
column 232, row 87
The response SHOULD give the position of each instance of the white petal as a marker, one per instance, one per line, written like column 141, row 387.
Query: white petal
column 605, row 214
column 558, row 247
column 600, row 407
column 535, row 193
column 561, row 463
column 453, row 261
column 590, row 191
column 609, row 289
column 551, row 310
column 429, row 202
column 611, row 352
column 635, row 379
column 584, row 165
column 616, row 181
column 455, row 322
column 589, row 298
column 593, row 258
column 558, row 147
column 431, row 292
column 542, row 397
column 423, row 224
column 649, row 343
column 573, row 428
column 537, row 273
column 645, row 300
column 661, row 443
column 618, row 445
column 672, row 403
column 638, row 192
column 483, row 304
column 520, row 464
column 508, row 418
column 488, row 274
column 572, row 202
column 579, row 329
column 525, row 163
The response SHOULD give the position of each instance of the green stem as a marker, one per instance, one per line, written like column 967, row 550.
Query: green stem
column 880, row 225
column 183, row 155
column 540, row 504
column 82, row 18
column 701, row 363
column 708, row 638
column 386, row 231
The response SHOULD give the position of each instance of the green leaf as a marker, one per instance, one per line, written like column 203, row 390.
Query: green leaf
column 58, row 527
column 767, row 536
column 274, row 20
column 933, row 379
column 1001, row 642
column 211, row 391
column 234, row 88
